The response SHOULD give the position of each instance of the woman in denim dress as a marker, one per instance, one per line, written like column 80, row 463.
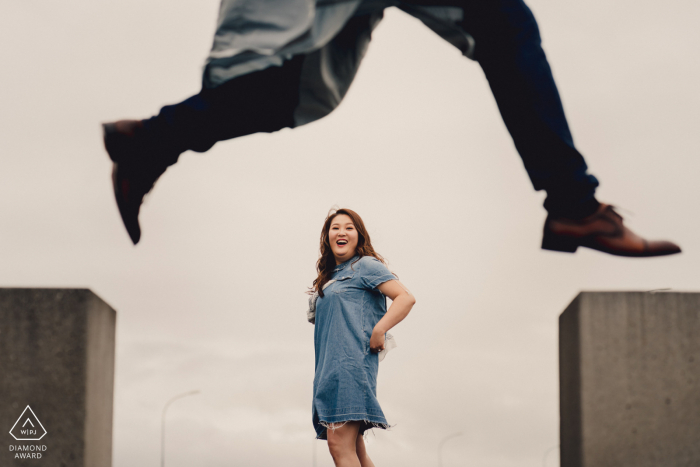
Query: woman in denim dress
column 351, row 322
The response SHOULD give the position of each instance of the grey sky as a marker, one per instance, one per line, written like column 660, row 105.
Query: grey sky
column 213, row 296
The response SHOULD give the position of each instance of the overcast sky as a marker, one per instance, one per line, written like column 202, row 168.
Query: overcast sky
column 213, row 296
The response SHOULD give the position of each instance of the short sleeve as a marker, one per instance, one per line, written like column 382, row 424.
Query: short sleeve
column 374, row 272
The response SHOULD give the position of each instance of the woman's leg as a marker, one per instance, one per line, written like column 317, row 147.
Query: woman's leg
column 365, row 461
column 342, row 442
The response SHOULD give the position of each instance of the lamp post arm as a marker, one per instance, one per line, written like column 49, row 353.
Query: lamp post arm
column 162, row 422
column 442, row 443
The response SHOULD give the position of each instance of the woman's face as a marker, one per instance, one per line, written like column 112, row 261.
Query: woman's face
column 343, row 238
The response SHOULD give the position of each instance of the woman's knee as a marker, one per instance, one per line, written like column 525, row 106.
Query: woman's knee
column 339, row 449
column 342, row 440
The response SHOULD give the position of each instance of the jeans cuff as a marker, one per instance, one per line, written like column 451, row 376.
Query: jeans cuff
column 573, row 209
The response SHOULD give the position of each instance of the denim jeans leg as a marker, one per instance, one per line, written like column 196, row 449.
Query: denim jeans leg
column 508, row 48
column 262, row 101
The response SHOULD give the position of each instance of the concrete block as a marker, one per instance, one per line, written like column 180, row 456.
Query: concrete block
column 629, row 365
column 57, row 358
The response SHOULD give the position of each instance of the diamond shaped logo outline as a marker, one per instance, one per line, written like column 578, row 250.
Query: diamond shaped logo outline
column 35, row 418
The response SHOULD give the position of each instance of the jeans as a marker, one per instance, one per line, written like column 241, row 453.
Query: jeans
column 508, row 48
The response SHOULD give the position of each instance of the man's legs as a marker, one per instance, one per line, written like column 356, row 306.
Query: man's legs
column 508, row 48
column 262, row 101
column 305, row 88
column 266, row 100
column 507, row 45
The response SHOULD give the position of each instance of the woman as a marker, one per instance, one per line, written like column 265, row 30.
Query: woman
column 351, row 321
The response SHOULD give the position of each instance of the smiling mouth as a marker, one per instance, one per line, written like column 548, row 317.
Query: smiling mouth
column 341, row 242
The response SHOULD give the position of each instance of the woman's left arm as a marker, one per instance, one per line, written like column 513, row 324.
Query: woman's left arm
column 401, row 303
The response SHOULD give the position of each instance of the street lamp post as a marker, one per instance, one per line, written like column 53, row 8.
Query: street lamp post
column 442, row 443
column 314, row 453
column 162, row 423
column 546, row 453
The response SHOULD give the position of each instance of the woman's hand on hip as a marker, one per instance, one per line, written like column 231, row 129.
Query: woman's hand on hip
column 376, row 342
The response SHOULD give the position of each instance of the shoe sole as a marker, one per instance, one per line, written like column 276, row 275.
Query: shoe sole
column 563, row 244
column 109, row 132
column 134, row 231
column 559, row 243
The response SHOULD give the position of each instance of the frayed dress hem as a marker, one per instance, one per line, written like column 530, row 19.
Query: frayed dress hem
column 364, row 427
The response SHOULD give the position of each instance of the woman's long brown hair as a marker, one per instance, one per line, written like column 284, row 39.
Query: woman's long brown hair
column 326, row 263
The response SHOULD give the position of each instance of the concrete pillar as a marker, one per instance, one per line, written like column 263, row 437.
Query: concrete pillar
column 56, row 375
column 629, row 366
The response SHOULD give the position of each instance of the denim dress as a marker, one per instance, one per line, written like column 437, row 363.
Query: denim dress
column 345, row 382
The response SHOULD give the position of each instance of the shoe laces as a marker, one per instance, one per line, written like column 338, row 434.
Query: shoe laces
column 614, row 210
column 624, row 210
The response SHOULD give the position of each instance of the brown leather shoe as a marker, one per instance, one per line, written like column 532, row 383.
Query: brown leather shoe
column 135, row 170
column 602, row 231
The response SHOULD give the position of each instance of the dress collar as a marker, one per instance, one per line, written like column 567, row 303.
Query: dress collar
column 342, row 266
